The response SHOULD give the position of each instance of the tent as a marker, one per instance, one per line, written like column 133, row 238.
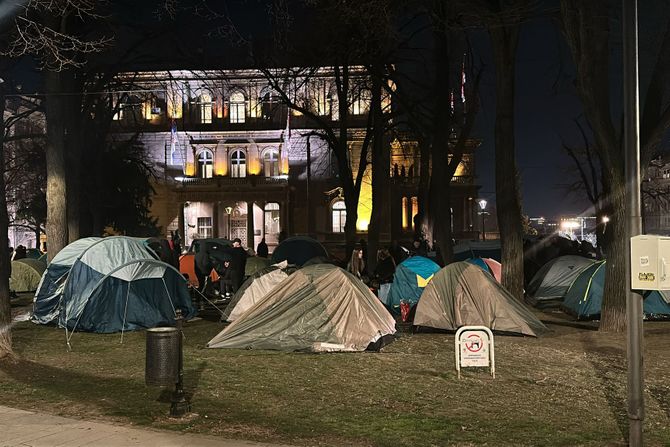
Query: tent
column 585, row 296
column 318, row 308
column 26, row 274
column 298, row 250
column 47, row 298
column 488, row 265
column 255, row 264
column 115, row 284
column 553, row 280
column 255, row 288
column 463, row 294
column 409, row 280
column 477, row 249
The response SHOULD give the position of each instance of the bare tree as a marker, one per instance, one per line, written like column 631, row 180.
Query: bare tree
column 586, row 26
column 48, row 30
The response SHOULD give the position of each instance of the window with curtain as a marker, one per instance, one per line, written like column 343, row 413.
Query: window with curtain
column 237, row 108
column 238, row 164
column 272, row 218
column 271, row 163
column 339, row 214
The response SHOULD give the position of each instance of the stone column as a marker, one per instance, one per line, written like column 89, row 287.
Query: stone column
column 215, row 218
column 250, row 225
column 181, row 225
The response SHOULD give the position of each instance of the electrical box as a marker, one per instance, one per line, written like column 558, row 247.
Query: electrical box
column 650, row 262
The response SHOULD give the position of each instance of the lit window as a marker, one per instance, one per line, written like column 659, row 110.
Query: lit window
column 271, row 163
column 237, row 108
column 361, row 102
column 415, row 209
column 271, row 212
column 205, row 164
column 339, row 216
column 405, row 224
column 205, row 108
column 238, row 164
column 322, row 98
column 205, row 227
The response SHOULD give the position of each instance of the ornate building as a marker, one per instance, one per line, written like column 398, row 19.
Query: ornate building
column 233, row 161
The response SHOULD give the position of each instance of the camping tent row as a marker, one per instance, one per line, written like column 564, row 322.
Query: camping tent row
column 324, row 308
column 576, row 284
column 108, row 285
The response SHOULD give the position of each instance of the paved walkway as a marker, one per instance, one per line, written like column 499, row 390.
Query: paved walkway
column 20, row 428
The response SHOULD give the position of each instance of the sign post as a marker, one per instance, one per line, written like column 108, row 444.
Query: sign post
column 473, row 346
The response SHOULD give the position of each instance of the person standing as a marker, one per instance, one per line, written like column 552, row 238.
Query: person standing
column 356, row 265
column 238, row 262
column 262, row 249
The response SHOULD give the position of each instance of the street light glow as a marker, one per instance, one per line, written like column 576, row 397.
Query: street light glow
column 482, row 204
column 606, row 219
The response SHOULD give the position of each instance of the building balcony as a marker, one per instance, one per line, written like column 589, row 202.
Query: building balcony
column 239, row 182
column 414, row 181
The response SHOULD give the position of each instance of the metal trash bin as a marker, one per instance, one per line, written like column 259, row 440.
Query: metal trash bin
column 162, row 358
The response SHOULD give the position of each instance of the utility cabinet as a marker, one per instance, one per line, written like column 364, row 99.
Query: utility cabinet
column 650, row 262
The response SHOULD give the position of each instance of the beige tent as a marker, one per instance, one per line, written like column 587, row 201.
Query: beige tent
column 462, row 294
column 254, row 289
column 26, row 274
column 318, row 308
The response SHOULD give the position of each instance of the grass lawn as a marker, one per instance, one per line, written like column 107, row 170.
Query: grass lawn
column 567, row 388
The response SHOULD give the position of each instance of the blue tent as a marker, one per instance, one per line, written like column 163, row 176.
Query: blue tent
column 298, row 250
column 114, row 284
column 585, row 296
column 410, row 278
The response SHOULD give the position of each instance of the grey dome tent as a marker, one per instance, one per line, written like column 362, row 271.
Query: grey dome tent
column 552, row 281
column 26, row 274
column 318, row 308
column 462, row 294
column 255, row 288
column 116, row 285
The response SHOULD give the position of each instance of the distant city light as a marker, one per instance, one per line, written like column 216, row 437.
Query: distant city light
column 606, row 219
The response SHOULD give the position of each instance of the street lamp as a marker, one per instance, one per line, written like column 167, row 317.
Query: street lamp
column 229, row 211
column 482, row 205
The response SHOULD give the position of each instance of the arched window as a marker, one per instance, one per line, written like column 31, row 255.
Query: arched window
column 405, row 221
column 204, row 103
column 238, row 164
column 237, row 108
column 270, row 101
column 205, row 164
column 339, row 216
column 415, row 210
column 271, row 163
column 361, row 102
column 272, row 223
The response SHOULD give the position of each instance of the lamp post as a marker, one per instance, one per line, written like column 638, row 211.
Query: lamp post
column 229, row 211
column 482, row 205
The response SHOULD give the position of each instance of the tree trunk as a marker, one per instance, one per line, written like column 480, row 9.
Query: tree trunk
column 504, row 40
column 613, row 311
column 74, row 130
column 381, row 163
column 57, row 228
column 5, row 307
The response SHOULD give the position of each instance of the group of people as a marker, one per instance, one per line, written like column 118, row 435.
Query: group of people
column 228, row 262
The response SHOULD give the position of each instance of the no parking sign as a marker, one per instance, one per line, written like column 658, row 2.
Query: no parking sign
column 473, row 346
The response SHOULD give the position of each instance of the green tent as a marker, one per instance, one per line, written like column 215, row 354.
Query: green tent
column 26, row 274
column 462, row 294
column 319, row 308
column 255, row 264
column 552, row 281
column 585, row 297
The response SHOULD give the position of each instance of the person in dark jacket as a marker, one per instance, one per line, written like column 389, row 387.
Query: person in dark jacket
column 238, row 261
column 262, row 249
column 19, row 253
column 203, row 265
column 227, row 278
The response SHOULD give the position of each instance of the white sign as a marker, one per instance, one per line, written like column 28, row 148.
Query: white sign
column 473, row 346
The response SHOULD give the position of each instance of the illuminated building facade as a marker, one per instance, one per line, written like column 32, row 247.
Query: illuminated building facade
column 233, row 161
